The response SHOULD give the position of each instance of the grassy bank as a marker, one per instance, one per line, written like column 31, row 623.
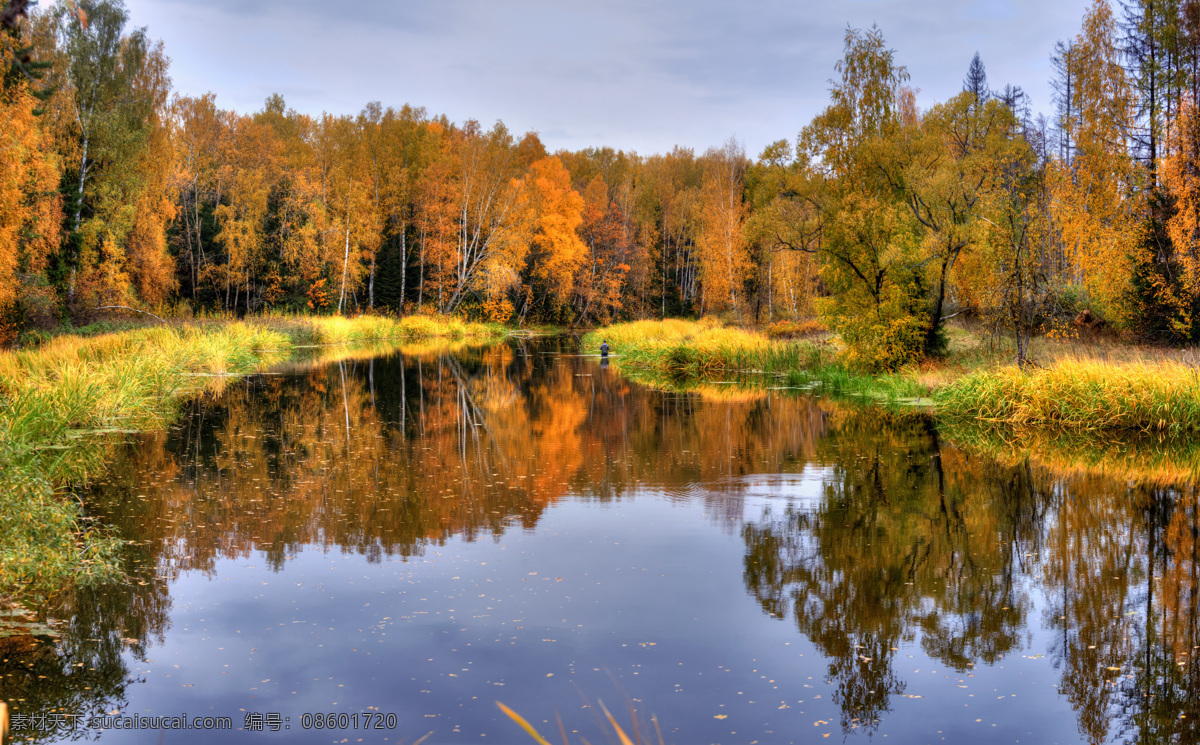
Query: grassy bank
column 1101, row 387
column 338, row 330
column 1080, row 395
column 59, row 401
column 685, row 348
column 677, row 353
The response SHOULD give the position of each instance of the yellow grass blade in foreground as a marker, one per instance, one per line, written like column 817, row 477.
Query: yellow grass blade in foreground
column 524, row 725
column 613, row 721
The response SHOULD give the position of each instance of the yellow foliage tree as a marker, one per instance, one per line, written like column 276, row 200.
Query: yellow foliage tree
column 781, row 231
column 30, row 207
column 250, row 161
column 1097, row 201
column 197, row 130
column 149, row 265
column 1180, row 173
column 720, row 244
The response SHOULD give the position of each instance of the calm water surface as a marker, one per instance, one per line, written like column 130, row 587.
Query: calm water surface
column 417, row 536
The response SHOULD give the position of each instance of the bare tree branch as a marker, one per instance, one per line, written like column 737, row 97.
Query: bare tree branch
column 126, row 307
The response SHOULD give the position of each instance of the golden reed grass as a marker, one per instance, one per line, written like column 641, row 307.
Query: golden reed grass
column 59, row 400
column 1081, row 395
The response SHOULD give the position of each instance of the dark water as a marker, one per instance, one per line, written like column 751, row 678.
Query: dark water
column 408, row 539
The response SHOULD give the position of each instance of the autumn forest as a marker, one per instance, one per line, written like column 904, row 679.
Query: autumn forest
column 377, row 495
column 881, row 218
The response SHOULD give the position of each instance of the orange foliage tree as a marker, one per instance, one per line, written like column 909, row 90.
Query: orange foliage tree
column 604, row 230
column 1097, row 201
column 437, row 202
column 30, row 207
column 1180, row 173
column 553, row 252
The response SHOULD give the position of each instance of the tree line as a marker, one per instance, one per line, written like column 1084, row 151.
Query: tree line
column 882, row 218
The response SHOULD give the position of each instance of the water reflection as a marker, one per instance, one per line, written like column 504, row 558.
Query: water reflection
column 385, row 456
column 918, row 540
column 907, row 544
column 897, row 550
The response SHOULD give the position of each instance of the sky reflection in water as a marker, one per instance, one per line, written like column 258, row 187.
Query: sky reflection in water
column 423, row 534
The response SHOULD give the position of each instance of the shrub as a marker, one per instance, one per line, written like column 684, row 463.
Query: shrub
column 880, row 345
column 783, row 330
column 795, row 329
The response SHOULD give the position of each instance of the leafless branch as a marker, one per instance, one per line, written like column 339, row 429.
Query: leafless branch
column 126, row 307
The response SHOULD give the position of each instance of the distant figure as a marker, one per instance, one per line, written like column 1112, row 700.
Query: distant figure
column 604, row 349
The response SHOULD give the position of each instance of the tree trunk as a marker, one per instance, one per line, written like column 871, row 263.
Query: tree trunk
column 403, row 263
column 71, row 258
column 932, row 334
column 345, row 266
column 371, row 286
column 421, row 275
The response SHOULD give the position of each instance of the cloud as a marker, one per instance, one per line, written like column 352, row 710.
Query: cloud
column 625, row 74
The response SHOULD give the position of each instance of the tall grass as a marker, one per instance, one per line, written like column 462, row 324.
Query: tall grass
column 1113, row 388
column 56, row 404
column 1081, row 395
column 687, row 348
column 618, row 733
column 318, row 330
column 59, row 400
column 680, row 352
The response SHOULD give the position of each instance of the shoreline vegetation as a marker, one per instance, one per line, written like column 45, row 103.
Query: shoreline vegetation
column 1100, row 393
column 61, row 402
column 675, row 351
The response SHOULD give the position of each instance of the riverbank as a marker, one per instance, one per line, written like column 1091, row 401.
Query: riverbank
column 677, row 351
column 61, row 402
column 1114, row 389
column 1080, row 396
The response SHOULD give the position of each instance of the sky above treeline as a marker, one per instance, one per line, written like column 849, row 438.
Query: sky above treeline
column 634, row 75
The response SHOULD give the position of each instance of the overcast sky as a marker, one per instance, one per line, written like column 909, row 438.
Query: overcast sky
column 641, row 75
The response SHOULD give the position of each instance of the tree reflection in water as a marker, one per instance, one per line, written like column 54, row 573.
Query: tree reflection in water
column 915, row 540
column 912, row 541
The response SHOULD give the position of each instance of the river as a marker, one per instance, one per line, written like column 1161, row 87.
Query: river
column 390, row 545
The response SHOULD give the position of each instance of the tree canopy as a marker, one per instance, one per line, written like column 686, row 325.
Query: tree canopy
column 883, row 218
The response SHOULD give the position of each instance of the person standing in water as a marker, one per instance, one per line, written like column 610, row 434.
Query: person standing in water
column 604, row 349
